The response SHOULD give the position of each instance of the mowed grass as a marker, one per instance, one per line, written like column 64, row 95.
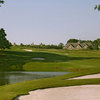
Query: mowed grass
column 79, row 62
column 55, row 60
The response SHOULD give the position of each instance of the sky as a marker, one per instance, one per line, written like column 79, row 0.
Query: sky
column 49, row 21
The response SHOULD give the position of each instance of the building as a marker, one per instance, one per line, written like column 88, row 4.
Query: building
column 77, row 46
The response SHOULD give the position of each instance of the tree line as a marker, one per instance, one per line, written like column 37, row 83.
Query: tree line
column 4, row 43
column 95, row 44
column 40, row 46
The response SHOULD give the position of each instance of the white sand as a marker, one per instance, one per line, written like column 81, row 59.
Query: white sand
column 85, row 92
column 28, row 50
column 88, row 76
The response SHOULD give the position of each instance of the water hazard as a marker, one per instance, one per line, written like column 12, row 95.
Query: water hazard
column 18, row 76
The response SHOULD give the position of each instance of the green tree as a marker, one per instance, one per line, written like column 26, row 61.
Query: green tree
column 4, row 43
column 21, row 45
column 60, row 45
column 72, row 41
column 97, row 7
column 96, row 43
column 1, row 2
column 90, row 48
column 96, row 47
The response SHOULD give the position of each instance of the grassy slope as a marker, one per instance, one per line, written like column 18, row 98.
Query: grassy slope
column 82, row 62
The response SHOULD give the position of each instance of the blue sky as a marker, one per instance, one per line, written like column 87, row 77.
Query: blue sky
column 49, row 21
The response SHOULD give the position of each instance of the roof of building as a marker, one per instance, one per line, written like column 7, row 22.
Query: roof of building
column 78, row 44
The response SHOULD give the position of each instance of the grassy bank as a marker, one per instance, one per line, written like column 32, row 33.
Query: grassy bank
column 79, row 62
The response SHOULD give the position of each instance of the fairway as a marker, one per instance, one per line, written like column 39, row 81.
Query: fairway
column 54, row 60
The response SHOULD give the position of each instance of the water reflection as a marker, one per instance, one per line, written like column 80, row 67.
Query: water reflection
column 18, row 76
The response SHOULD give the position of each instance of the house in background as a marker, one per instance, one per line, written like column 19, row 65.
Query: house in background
column 77, row 46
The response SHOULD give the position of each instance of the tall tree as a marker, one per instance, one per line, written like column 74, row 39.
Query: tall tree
column 4, row 43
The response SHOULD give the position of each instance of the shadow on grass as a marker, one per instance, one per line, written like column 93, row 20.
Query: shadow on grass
column 18, row 59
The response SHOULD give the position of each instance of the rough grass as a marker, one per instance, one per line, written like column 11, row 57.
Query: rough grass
column 81, row 62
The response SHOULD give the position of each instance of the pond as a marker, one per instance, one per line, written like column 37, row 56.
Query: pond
column 18, row 76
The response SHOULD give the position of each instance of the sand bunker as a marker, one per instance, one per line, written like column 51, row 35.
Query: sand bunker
column 88, row 76
column 85, row 92
column 28, row 50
